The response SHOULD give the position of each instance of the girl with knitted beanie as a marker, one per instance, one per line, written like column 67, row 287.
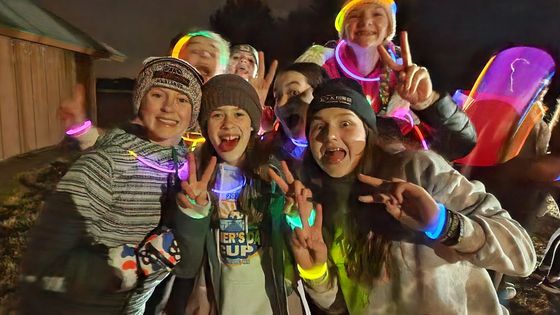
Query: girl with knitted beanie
column 393, row 233
column 104, row 239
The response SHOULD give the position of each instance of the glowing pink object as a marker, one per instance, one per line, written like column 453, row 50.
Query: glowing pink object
column 345, row 69
column 83, row 128
column 403, row 114
column 421, row 137
column 501, row 103
column 183, row 171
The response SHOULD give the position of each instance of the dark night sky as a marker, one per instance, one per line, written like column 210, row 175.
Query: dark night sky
column 453, row 38
column 141, row 28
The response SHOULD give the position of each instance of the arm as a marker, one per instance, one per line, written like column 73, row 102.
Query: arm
column 60, row 256
column 453, row 135
column 191, row 227
column 491, row 238
column 191, row 220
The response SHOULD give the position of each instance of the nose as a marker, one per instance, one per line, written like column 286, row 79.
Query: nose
column 365, row 19
column 169, row 103
column 328, row 134
column 227, row 122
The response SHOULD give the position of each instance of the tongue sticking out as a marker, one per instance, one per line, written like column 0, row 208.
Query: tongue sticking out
column 334, row 157
column 228, row 145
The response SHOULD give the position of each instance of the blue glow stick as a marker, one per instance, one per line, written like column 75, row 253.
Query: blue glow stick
column 435, row 231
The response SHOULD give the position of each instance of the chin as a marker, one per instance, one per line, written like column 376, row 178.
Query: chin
column 334, row 171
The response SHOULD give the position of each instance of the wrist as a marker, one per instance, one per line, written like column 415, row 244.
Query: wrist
column 434, row 96
column 437, row 227
column 314, row 273
column 454, row 229
column 76, row 131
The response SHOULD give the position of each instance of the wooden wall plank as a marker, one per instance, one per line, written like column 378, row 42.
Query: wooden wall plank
column 85, row 75
column 24, row 87
column 53, row 58
column 41, row 108
column 9, row 122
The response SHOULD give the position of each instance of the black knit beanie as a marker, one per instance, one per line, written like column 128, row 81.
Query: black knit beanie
column 229, row 89
column 342, row 93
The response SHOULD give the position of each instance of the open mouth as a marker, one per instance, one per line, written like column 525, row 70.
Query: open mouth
column 334, row 155
column 228, row 143
column 168, row 122
column 242, row 70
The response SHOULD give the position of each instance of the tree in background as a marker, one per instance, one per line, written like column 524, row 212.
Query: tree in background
column 247, row 22
column 251, row 22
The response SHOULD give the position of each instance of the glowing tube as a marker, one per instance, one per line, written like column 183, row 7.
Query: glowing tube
column 229, row 191
column 83, row 128
column 345, row 69
column 435, row 231
column 294, row 221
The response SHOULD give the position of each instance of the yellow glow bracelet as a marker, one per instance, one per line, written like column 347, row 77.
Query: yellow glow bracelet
column 314, row 273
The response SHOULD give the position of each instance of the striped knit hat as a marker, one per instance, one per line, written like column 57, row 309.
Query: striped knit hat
column 390, row 8
column 171, row 73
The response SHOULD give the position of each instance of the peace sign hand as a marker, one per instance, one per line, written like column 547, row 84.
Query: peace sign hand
column 194, row 189
column 415, row 84
column 408, row 203
column 262, row 81
column 307, row 242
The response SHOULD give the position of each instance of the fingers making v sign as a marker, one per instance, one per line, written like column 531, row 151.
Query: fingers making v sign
column 410, row 204
column 194, row 190
column 263, row 80
column 307, row 242
column 415, row 84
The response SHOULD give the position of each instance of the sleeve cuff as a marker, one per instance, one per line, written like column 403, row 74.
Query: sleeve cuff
column 472, row 238
column 196, row 211
column 88, row 138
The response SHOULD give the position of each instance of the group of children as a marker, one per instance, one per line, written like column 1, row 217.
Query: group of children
column 337, row 209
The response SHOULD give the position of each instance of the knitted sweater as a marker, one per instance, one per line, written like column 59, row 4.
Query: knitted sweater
column 428, row 277
column 107, row 199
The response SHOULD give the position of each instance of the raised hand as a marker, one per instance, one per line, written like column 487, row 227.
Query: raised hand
column 408, row 203
column 307, row 242
column 194, row 189
column 262, row 81
column 72, row 111
column 415, row 84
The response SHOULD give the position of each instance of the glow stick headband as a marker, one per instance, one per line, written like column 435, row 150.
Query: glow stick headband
column 339, row 21
column 185, row 39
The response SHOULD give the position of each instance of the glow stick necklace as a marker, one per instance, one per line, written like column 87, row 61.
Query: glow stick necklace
column 345, row 69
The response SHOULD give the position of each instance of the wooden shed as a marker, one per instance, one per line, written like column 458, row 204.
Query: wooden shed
column 41, row 58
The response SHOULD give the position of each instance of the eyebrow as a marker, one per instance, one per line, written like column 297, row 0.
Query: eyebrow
column 336, row 116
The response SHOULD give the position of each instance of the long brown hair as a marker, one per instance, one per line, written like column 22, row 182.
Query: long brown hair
column 366, row 251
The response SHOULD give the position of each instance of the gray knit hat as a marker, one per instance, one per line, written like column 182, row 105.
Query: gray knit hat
column 229, row 89
column 171, row 73
column 248, row 49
